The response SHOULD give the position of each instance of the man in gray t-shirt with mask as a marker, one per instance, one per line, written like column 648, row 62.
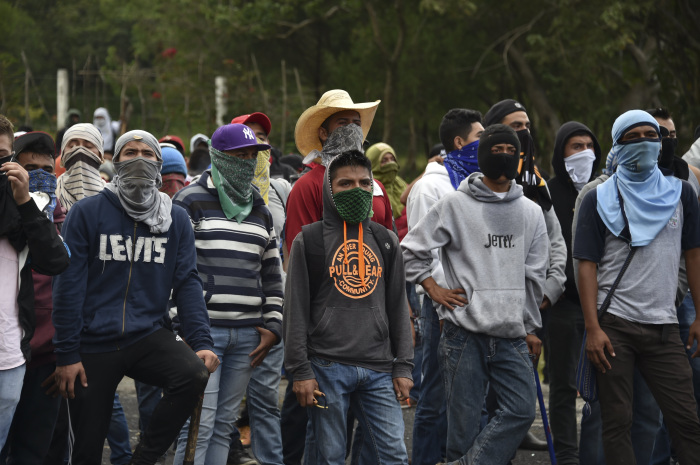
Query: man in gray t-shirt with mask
column 639, row 207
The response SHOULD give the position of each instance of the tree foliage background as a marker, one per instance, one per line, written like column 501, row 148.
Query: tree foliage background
column 585, row 60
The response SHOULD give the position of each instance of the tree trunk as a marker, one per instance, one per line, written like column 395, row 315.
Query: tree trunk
column 540, row 104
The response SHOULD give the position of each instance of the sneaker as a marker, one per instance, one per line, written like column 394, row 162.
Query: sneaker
column 237, row 455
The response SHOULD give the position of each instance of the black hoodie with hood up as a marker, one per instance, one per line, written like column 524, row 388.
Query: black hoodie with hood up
column 564, row 194
column 348, row 320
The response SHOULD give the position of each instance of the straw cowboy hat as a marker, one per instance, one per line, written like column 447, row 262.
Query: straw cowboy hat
column 333, row 101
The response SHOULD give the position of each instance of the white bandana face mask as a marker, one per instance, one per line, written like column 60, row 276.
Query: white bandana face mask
column 579, row 166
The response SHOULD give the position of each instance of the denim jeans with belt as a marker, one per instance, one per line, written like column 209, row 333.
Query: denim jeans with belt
column 470, row 361
column 370, row 394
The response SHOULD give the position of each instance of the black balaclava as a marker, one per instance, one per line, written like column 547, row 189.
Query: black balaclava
column 493, row 165
column 668, row 159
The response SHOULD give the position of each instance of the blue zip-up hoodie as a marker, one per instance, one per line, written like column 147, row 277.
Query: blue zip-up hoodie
column 118, row 284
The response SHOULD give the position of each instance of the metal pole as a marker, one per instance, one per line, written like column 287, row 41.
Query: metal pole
column 220, row 94
column 62, row 88
column 545, row 422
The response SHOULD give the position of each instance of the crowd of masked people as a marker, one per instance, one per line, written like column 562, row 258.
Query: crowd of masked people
column 206, row 275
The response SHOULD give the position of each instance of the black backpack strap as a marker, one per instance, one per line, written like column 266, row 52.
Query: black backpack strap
column 632, row 250
column 315, row 252
column 386, row 246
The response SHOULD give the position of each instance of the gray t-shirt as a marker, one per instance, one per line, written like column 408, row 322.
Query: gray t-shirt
column 646, row 294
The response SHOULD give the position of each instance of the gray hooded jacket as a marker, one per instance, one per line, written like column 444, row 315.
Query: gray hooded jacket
column 494, row 248
column 346, row 321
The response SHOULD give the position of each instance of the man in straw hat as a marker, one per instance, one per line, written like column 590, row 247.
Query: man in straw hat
column 130, row 247
column 332, row 126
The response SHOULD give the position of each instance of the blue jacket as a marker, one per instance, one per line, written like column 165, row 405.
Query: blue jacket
column 116, row 289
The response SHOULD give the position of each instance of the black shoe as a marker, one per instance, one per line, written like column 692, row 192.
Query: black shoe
column 237, row 455
column 530, row 442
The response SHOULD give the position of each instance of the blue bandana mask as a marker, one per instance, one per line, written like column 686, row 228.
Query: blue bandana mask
column 650, row 198
column 462, row 162
column 41, row 181
column 638, row 157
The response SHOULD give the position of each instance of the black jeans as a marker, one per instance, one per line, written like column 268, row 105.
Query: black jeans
column 565, row 335
column 158, row 359
column 660, row 357
column 34, row 420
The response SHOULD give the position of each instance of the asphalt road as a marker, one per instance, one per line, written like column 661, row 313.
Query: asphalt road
column 127, row 395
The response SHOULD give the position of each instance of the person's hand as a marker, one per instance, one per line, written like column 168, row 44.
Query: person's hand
column 546, row 303
column 50, row 385
column 304, row 391
column 596, row 344
column 64, row 380
column 445, row 297
column 437, row 158
column 694, row 335
column 210, row 359
column 534, row 346
column 19, row 180
column 402, row 388
column 267, row 340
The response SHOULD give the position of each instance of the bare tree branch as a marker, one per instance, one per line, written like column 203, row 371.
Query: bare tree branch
column 517, row 32
column 296, row 27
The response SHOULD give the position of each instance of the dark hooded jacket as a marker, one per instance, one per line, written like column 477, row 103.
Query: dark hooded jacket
column 346, row 320
column 564, row 194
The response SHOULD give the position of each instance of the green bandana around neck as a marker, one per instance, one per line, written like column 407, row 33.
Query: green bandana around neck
column 232, row 177
column 354, row 205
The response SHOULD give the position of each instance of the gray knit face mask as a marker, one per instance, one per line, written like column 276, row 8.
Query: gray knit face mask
column 138, row 181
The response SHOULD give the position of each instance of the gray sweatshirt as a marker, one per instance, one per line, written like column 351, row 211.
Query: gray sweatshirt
column 494, row 248
column 345, row 321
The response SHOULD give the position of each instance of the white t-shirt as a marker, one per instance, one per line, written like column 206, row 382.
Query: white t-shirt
column 10, row 331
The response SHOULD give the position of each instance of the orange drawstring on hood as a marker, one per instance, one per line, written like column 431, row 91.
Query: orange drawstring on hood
column 360, row 251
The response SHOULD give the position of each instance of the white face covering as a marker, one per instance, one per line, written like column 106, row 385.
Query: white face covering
column 579, row 166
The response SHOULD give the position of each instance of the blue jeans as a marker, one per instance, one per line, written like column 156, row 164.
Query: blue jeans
column 370, row 395
column 414, row 303
column 430, row 422
column 10, row 391
column 118, row 435
column 645, row 424
column 470, row 362
column 262, row 400
column 222, row 396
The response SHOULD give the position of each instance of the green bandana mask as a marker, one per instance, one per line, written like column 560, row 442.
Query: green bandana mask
column 354, row 205
column 232, row 177
column 386, row 174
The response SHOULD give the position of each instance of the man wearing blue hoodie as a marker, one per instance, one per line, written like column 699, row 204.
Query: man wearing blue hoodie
column 638, row 207
column 130, row 249
column 494, row 250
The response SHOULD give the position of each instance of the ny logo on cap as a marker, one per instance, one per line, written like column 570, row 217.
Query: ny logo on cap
column 249, row 133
